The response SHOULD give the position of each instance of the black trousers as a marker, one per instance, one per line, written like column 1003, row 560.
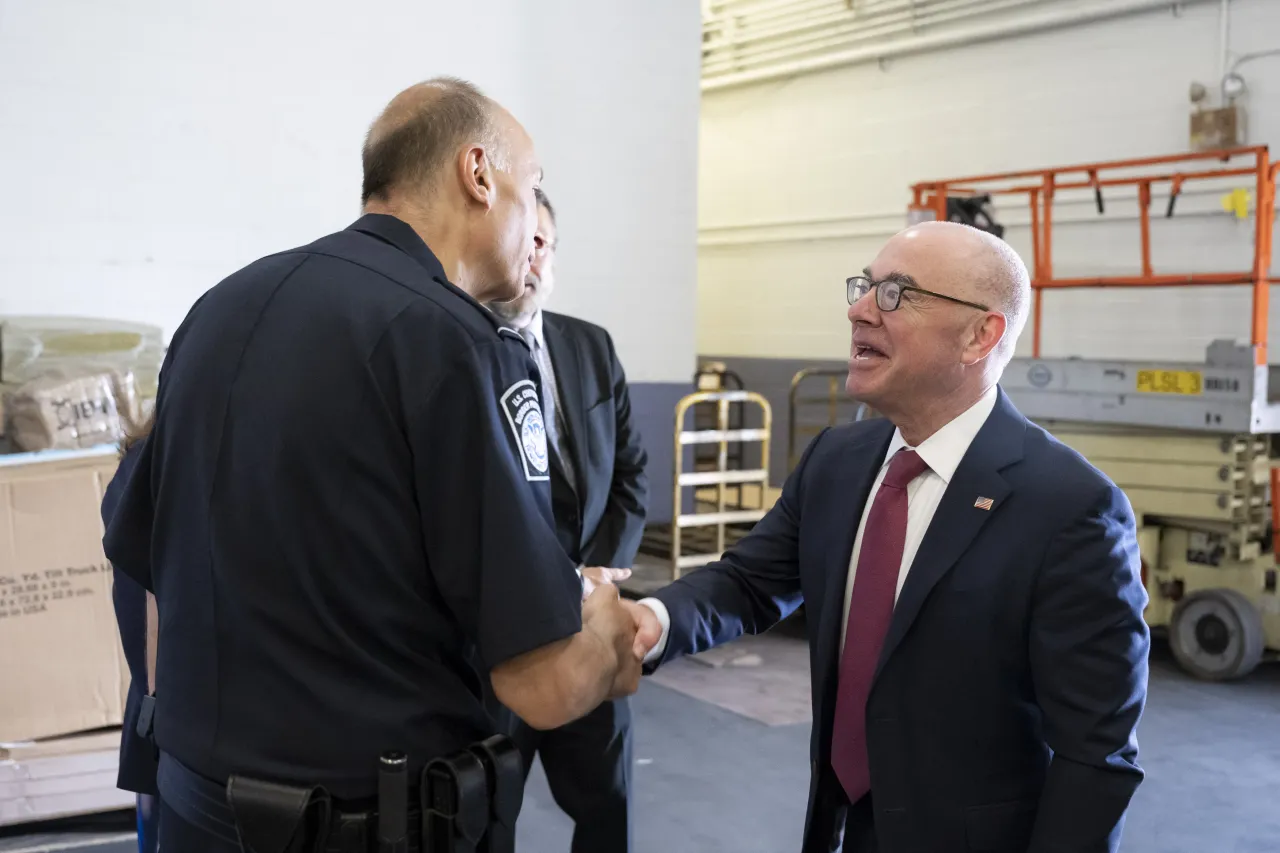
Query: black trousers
column 588, row 765
column 178, row 835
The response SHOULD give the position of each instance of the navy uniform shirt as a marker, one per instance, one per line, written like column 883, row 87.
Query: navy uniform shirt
column 137, row 766
column 343, row 504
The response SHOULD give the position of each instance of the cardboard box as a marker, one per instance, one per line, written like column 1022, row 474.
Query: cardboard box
column 62, row 669
column 59, row 778
column 75, row 413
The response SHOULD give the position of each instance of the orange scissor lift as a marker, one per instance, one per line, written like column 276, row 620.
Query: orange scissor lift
column 1191, row 444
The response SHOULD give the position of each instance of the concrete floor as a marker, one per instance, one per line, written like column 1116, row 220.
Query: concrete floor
column 711, row 779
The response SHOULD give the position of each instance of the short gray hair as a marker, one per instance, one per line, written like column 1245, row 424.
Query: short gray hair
column 1010, row 284
column 421, row 129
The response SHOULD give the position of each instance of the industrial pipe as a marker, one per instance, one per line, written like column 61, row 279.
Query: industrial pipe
column 1224, row 38
column 784, row 9
column 973, row 35
column 748, row 29
column 727, row 55
column 888, row 223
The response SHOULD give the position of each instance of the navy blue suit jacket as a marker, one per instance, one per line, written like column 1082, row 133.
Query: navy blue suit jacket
column 1005, row 703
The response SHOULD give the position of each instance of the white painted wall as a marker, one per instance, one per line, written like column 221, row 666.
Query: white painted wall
column 615, row 116
column 148, row 149
column 802, row 180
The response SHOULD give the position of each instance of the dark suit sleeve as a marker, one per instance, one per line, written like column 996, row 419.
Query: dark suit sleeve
column 1089, row 646
column 750, row 589
column 617, row 538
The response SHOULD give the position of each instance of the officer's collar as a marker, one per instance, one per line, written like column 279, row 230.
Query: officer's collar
column 400, row 234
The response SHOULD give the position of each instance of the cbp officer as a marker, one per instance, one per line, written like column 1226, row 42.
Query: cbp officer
column 344, row 500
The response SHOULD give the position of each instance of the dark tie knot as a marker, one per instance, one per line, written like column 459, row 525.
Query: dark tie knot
column 905, row 467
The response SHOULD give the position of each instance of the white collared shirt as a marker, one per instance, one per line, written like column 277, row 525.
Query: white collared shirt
column 535, row 326
column 942, row 452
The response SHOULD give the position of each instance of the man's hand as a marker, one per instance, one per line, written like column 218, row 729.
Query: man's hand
column 648, row 628
column 606, row 616
column 595, row 576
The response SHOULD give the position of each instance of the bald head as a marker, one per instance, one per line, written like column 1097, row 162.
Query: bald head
column 421, row 131
column 940, row 327
column 975, row 265
column 460, row 171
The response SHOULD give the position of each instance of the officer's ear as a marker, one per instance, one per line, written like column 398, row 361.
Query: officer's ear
column 477, row 175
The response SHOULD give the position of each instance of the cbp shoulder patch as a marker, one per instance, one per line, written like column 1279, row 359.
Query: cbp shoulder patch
column 524, row 414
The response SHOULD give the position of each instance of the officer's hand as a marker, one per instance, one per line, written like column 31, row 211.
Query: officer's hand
column 595, row 576
column 604, row 613
column 648, row 628
column 627, row 681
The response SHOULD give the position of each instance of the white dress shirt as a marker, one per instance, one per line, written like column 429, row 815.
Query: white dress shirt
column 551, row 402
column 552, row 408
column 942, row 452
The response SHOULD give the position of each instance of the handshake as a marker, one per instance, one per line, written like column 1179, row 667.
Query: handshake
column 560, row 682
column 625, row 630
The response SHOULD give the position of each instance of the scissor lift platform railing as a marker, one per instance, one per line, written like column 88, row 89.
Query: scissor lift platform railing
column 1149, row 175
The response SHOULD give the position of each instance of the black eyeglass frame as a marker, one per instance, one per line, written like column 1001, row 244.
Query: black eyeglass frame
column 851, row 283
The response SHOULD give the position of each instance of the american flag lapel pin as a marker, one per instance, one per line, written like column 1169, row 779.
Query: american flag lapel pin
column 983, row 503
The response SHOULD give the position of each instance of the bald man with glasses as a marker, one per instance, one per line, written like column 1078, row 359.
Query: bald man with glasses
column 972, row 586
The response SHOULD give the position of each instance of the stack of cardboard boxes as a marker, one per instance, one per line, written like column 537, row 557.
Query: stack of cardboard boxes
column 63, row 677
column 61, row 663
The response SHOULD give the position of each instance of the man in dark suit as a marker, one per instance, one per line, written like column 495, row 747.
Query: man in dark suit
column 972, row 586
column 599, row 494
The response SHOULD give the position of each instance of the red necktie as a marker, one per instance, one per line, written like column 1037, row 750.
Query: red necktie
column 875, row 584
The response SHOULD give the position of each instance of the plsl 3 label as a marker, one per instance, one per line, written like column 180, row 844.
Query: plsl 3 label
column 1188, row 382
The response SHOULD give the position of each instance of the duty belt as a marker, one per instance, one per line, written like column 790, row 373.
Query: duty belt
column 466, row 803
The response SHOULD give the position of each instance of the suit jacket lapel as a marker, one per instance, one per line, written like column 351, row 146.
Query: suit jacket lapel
column 566, row 361
column 860, row 463
column 957, row 520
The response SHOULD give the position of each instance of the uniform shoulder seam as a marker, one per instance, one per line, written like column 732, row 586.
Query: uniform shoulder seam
column 449, row 364
column 383, row 274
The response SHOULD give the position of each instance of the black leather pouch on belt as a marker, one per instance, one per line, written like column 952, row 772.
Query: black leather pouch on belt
column 455, row 804
column 274, row 818
column 504, row 775
column 259, row 817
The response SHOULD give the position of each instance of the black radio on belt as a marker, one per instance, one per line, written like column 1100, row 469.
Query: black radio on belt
column 455, row 804
column 470, row 800
column 504, row 775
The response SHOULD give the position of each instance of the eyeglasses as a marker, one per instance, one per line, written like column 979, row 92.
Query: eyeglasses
column 889, row 293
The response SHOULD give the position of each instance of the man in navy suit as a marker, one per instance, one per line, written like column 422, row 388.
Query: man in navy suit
column 973, row 589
